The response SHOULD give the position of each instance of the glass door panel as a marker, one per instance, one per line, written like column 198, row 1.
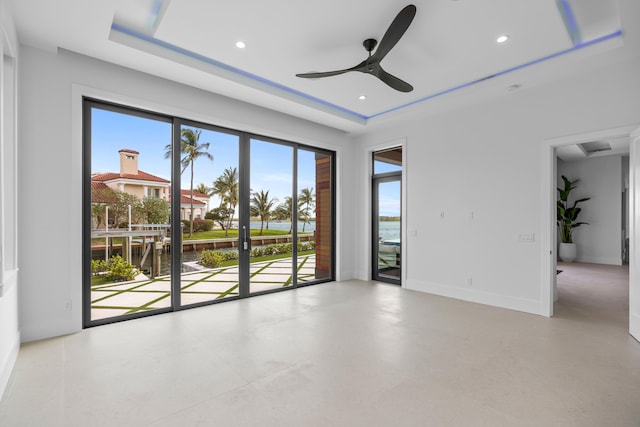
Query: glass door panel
column 209, row 199
column 129, row 214
column 270, row 227
column 387, row 215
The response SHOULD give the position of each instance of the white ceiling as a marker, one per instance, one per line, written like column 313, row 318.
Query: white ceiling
column 449, row 50
column 617, row 146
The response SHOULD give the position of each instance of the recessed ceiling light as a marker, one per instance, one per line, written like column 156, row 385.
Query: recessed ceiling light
column 240, row 45
column 503, row 38
column 362, row 97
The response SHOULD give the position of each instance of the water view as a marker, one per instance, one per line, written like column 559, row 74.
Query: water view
column 389, row 230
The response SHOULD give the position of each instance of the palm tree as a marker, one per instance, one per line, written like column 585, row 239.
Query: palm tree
column 226, row 188
column 202, row 188
column 191, row 150
column 261, row 205
column 306, row 201
column 284, row 212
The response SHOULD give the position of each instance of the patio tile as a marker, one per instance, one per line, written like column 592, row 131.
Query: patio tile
column 105, row 313
column 119, row 287
column 278, row 278
column 125, row 296
column 196, row 276
column 135, row 299
column 156, row 286
column 196, row 298
column 211, row 287
column 223, row 277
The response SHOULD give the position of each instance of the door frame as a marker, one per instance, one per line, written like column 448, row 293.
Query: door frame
column 244, row 170
column 401, row 142
column 549, row 229
column 634, row 234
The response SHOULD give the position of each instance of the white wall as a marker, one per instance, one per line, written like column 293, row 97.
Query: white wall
column 50, row 152
column 486, row 159
column 9, row 328
column 600, row 178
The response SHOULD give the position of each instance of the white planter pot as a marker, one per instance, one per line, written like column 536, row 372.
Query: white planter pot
column 567, row 252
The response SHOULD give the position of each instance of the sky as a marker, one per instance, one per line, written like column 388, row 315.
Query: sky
column 271, row 164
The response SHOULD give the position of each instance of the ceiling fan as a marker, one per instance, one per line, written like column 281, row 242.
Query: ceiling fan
column 371, row 65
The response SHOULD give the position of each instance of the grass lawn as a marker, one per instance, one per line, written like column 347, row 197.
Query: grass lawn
column 266, row 258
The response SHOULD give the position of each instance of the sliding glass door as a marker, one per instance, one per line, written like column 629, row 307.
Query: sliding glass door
column 270, row 225
column 180, row 214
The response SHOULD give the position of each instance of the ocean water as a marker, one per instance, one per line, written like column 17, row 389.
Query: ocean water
column 284, row 225
column 389, row 230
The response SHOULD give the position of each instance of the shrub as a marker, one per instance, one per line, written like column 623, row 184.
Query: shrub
column 230, row 255
column 120, row 270
column 306, row 246
column 211, row 259
column 202, row 225
column 98, row 266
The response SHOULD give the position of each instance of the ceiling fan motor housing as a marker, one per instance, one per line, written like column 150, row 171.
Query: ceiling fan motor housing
column 370, row 44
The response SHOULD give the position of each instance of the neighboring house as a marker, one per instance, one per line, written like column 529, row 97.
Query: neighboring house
column 199, row 205
column 142, row 184
column 132, row 180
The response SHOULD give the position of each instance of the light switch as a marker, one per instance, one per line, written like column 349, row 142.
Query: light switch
column 526, row 237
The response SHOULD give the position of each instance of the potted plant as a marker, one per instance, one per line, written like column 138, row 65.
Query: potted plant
column 568, row 219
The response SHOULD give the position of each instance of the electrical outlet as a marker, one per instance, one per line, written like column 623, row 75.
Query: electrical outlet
column 67, row 305
column 469, row 281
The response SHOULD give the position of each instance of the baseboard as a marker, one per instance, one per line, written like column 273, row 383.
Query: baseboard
column 600, row 260
column 476, row 296
column 7, row 365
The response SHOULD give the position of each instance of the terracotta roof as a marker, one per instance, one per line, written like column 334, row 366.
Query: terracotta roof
column 126, row 150
column 140, row 176
column 195, row 194
column 100, row 193
column 186, row 200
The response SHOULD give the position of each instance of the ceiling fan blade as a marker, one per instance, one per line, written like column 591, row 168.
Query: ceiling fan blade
column 395, row 31
column 359, row 67
column 324, row 74
column 393, row 81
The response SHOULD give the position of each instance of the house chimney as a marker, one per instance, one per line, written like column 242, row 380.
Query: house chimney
column 128, row 162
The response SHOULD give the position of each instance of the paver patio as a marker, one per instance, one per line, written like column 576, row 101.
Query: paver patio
column 122, row 298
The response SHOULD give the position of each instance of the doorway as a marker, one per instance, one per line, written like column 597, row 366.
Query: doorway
column 386, row 216
column 549, row 289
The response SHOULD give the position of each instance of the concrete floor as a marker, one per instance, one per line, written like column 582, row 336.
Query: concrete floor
column 344, row 354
